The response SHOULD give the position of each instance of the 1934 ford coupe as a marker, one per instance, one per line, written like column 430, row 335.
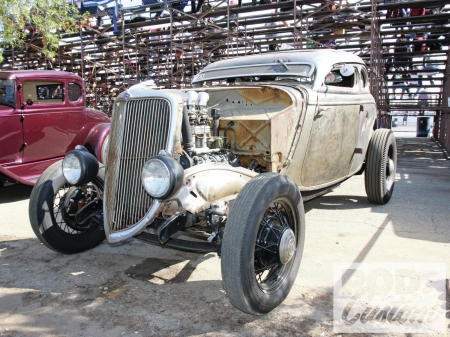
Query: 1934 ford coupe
column 224, row 167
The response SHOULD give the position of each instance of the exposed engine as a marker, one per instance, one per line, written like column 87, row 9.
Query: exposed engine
column 207, row 145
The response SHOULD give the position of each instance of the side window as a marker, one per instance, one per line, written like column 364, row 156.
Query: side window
column 335, row 78
column 74, row 92
column 365, row 78
column 359, row 77
column 44, row 91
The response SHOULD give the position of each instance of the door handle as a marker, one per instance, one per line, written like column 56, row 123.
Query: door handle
column 321, row 108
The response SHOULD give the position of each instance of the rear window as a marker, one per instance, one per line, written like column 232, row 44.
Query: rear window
column 74, row 92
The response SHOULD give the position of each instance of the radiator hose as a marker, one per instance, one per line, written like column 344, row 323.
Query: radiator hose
column 188, row 140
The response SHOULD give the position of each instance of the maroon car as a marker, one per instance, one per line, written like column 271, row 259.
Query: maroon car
column 42, row 117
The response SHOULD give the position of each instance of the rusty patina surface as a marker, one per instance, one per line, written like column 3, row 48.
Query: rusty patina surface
column 264, row 120
column 262, row 113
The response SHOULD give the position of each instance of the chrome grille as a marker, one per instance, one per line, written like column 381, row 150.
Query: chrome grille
column 139, row 130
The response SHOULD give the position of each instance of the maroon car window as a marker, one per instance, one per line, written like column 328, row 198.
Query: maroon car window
column 43, row 91
column 74, row 92
column 7, row 92
column 49, row 92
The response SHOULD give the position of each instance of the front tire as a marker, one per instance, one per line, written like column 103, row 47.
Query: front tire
column 381, row 166
column 52, row 209
column 263, row 243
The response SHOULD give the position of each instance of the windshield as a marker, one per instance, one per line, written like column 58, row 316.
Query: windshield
column 268, row 72
column 254, row 79
column 8, row 92
column 271, row 79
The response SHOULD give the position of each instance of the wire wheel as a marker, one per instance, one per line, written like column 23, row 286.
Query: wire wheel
column 278, row 222
column 53, row 209
column 66, row 203
column 263, row 243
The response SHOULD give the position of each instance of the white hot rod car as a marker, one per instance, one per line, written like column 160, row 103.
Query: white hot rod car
column 224, row 167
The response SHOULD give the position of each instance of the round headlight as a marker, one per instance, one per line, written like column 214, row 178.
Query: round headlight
column 156, row 178
column 79, row 167
column 71, row 168
column 162, row 177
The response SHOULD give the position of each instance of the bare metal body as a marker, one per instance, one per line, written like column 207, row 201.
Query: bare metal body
column 225, row 167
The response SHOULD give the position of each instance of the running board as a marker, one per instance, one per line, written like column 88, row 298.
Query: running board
column 310, row 195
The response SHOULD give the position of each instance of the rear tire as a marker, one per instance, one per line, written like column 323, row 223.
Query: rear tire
column 381, row 166
column 263, row 243
column 54, row 227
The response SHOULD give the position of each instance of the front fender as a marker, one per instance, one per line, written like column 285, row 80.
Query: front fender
column 95, row 139
column 203, row 185
column 208, row 183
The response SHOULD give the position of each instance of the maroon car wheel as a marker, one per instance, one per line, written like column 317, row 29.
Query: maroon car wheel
column 53, row 210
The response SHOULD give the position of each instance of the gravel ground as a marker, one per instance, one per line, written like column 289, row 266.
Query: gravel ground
column 137, row 289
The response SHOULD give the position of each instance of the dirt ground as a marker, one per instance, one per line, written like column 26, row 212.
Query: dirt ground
column 137, row 289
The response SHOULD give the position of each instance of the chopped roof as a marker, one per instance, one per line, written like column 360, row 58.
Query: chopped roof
column 309, row 55
column 285, row 63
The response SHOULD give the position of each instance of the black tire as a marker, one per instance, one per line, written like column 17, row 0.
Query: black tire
column 255, row 217
column 381, row 166
column 49, row 223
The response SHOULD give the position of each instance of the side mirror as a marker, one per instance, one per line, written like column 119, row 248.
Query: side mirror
column 29, row 101
column 347, row 70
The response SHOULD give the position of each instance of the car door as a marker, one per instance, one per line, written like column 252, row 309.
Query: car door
column 11, row 137
column 334, row 133
column 367, row 117
column 51, row 122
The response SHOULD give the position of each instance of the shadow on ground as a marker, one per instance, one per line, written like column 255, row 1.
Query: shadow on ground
column 14, row 193
column 109, row 291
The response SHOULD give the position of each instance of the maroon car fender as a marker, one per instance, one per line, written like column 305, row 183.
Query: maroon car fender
column 95, row 139
column 26, row 173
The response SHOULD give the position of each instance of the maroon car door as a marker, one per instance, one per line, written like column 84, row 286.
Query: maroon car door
column 50, row 122
column 11, row 137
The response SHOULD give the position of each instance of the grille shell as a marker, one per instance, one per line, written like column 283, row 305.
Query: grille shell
column 140, row 129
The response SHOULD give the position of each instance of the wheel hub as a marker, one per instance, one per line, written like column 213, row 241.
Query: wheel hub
column 391, row 167
column 275, row 247
column 286, row 247
column 71, row 203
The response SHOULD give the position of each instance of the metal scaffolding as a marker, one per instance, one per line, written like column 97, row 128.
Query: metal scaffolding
column 132, row 46
column 172, row 49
